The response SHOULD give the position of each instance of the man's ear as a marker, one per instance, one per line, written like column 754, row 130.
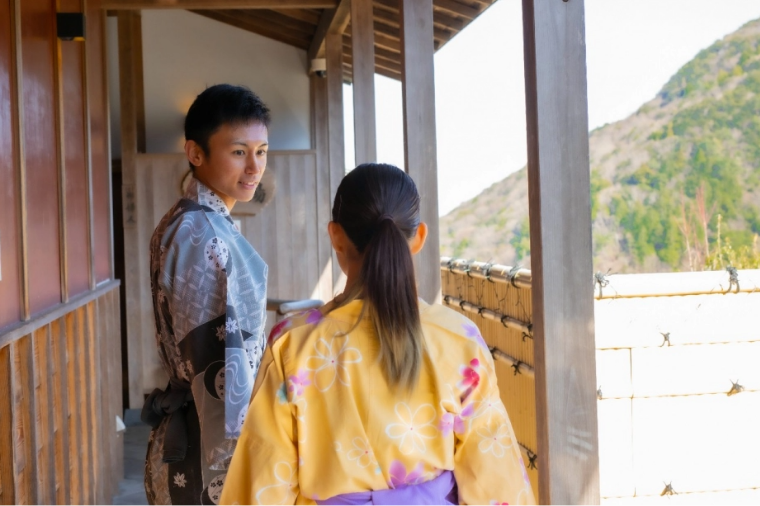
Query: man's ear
column 337, row 237
column 194, row 153
column 417, row 242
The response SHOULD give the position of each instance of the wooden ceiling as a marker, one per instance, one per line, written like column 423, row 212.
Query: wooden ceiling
column 300, row 27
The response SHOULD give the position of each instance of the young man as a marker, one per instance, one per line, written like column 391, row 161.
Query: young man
column 209, row 300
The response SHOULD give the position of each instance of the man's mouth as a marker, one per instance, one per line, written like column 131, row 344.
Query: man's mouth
column 249, row 185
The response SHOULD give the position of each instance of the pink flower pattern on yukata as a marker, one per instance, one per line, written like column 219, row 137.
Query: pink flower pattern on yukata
column 313, row 316
column 450, row 421
column 298, row 382
column 472, row 332
column 470, row 378
column 278, row 330
column 399, row 476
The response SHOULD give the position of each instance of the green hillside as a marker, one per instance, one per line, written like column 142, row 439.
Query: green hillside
column 675, row 186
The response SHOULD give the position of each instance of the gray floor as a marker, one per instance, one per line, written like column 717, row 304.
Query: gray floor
column 131, row 488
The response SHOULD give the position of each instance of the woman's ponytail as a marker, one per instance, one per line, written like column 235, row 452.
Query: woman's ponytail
column 390, row 293
column 378, row 206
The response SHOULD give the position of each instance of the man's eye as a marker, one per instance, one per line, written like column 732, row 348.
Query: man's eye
column 239, row 152
column 262, row 152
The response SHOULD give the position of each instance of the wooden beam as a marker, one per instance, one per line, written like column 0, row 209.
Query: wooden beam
column 441, row 19
column 363, row 67
column 217, row 4
column 384, row 24
column 331, row 21
column 560, row 242
column 418, row 89
column 458, row 9
column 256, row 25
column 309, row 16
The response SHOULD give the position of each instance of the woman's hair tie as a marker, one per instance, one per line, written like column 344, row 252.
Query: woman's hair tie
column 384, row 217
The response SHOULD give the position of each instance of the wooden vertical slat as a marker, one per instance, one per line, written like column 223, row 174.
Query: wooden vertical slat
column 363, row 68
column 283, row 208
column 100, row 461
column 59, row 379
column 75, row 436
column 335, row 126
column 61, row 165
column 322, row 187
column 88, row 160
column 116, row 441
column 20, row 160
column 130, row 79
column 418, row 89
column 44, row 423
column 7, row 483
column 85, row 338
column 560, row 241
column 24, row 415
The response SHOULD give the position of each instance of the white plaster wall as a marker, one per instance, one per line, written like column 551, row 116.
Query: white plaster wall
column 183, row 53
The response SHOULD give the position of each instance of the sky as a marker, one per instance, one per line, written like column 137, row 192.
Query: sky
column 632, row 48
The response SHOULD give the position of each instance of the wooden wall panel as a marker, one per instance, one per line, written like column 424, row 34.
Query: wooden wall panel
column 24, row 444
column 75, row 163
column 7, row 486
column 37, row 31
column 57, row 410
column 99, row 140
column 10, row 309
column 44, row 419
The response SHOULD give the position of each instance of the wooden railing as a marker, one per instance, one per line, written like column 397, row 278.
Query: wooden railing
column 60, row 393
column 497, row 299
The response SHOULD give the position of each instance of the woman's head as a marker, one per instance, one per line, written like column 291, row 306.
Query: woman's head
column 375, row 230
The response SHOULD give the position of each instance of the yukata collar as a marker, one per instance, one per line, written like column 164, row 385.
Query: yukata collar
column 203, row 195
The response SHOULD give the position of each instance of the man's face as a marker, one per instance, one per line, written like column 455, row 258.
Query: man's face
column 236, row 160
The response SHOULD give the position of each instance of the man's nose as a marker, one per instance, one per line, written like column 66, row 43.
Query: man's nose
column 255, row 166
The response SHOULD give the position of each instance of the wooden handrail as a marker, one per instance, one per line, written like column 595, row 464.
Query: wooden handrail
column 14, row 331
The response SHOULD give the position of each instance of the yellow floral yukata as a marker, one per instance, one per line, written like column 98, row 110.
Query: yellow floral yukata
column 324, row 421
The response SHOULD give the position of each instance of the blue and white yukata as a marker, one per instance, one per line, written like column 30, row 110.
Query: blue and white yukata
column 209, row 299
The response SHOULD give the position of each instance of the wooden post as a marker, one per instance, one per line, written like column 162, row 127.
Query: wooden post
column 560, row 240
column 335, row 126
column 363, row 65
column 419, row 132
column 132, row 142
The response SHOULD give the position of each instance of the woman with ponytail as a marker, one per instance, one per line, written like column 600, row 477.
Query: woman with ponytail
column 378, row 397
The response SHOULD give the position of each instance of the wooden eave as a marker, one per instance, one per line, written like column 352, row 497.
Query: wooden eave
column 304, row 28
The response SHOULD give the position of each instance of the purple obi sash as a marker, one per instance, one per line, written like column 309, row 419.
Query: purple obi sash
column 441, row 490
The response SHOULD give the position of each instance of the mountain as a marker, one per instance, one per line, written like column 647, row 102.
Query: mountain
column 674, row 186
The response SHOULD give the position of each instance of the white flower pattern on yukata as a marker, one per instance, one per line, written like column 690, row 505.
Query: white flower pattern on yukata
column 282, row 491
column 361, row 453
column 231, row 326
column 179, row 480
column 330, row 362
column 414, row 428
column 494, row 440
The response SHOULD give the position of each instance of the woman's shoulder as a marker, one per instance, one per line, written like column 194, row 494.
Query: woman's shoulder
column 449, row 332
column 298, row 323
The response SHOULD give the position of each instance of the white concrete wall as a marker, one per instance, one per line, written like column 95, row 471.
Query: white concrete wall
column 183, row 53
column 665, row 416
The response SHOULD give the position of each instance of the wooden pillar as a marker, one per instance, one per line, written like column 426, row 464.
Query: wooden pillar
column 363, row 64
column 132, row 142
column 560, row 240
column 335, row 126
column 419, row 131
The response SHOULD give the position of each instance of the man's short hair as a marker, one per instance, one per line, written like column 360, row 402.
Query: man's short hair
column 220, row 104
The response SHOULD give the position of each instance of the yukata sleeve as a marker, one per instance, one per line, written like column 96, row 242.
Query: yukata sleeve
column 488, row 466
column 264, row 469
